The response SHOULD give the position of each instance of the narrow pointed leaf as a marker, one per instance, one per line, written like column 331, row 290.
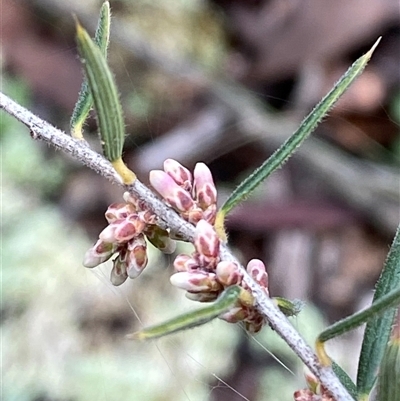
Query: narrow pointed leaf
column 280, row 156
column 386, row 302
column 85, row 100
column 105, row 96
column 389, row 373
column 345, row 380
column 192, row 319
column 377, row 331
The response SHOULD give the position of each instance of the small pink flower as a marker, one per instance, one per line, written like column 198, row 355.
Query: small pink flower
column 184, row 263
column 136, row 256
column 228, row 274
column 176, row 196
column 129, row 228
column 206, row 240
column 194, row 215
column 118, row 211
column 210, row 214
column 99, row 253
column 181, row 175
column 195, row 281
column 257, row 271
column 204, row 187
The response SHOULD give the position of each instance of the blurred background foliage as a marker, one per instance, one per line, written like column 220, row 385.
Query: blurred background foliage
column 224, row 82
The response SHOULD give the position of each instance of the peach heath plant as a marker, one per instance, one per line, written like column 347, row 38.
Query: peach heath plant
column 188, row 212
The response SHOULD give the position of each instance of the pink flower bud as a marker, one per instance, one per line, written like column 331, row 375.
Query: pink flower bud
column 136, row 258
column 108, row 234
column 180, row 174
column 177, row 197
column 131, row 227
column 256, row 269
column 118, row 211
column 206, row 240
column 204, row 187
column 148, row 216
column 195, row 281
column 210, row 214
column 228, row 274
column 184, row 263
column 118, row 272
column 99, row 253
column 194, row 215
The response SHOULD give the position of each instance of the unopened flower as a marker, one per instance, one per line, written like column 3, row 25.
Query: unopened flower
column 193, row 197
column 258, row 272
column 136, row 256
column 118, row 211
column 99, row 253
column 196, row 281
column 177, row 197
column 228, row 273
column 180, row 174
column 207, row 244
column 204, row 187
column 185, row 263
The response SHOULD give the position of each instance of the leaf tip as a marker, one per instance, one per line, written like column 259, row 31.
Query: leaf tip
column 136, row 336
column 374, row 46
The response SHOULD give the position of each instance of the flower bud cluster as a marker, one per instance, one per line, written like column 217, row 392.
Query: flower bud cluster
column 204, row 276
column 128, row 225
column 193, row 197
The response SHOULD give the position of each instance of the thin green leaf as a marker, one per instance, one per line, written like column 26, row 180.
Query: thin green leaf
column 384, row 303
column 377, row 331
column 85, row 100
column 345, row 380
column 388, row 388
column 192, row 319
column 105, row 95
column 280, row 156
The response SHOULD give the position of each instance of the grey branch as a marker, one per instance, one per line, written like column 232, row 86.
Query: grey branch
column 41, row 130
